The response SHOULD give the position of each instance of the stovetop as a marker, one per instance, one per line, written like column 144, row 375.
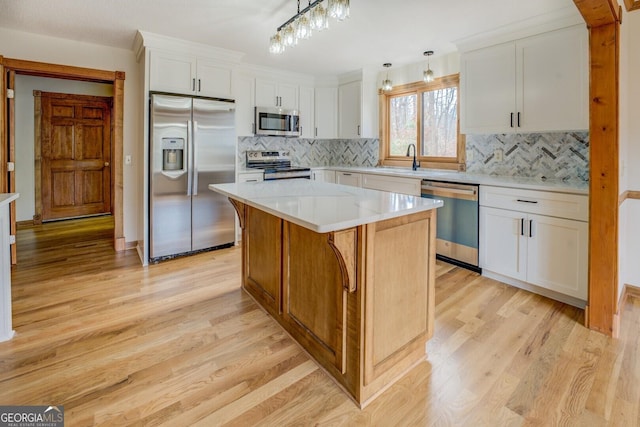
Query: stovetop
column 272, row 161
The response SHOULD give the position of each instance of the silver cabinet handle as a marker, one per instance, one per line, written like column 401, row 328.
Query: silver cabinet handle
column 511, row 120
column 530, row 228
column 358, row 130
column 527, row 201
column 199, row 86
column 522, row 226
column 193, row 84
column 316, row 132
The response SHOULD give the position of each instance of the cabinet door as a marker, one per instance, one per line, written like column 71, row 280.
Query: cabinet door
column 306, row 112
column 266, row 93
column 349, row 110
column 323, row 176
column 503, row 246
column 314, row 299
column 288, row 96
column 326, row 123
column 349, row 178
column 213, row 80
column 558, row 255
column 487, row 89
column 173, row 73
column 553, row 86
column 393, row 184
column 245, row 111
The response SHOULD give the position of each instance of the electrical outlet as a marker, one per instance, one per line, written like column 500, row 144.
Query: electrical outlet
column 127, row 159
column 498, row 155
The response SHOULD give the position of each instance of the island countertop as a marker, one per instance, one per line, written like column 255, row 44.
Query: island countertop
column 323, row 207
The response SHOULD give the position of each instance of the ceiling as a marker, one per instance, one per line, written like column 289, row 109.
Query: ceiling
column 378, row 31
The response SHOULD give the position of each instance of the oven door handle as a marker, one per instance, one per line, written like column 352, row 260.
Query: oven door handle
column 448, row 190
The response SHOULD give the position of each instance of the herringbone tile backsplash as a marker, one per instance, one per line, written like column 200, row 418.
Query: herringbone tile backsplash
column 562, row 156
column 315, row 152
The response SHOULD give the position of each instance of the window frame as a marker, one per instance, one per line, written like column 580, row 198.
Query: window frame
column 418, row 88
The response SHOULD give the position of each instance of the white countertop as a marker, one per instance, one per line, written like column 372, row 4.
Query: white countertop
column 6, row 198
column 573, row 187
column 323, row 207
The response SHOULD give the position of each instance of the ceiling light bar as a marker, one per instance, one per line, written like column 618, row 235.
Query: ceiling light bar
column 300, row 26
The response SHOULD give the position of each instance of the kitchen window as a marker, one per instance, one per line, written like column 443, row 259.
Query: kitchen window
column 427, row 115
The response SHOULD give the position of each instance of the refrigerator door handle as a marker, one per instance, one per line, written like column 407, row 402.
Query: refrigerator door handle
column 189, row 157
column 195, row 159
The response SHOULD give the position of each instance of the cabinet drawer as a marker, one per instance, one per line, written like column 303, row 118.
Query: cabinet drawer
column 392, row 184
column 561, row 205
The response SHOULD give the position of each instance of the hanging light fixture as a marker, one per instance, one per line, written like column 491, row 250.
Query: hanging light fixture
column 319, row 18
column 339, row 9
column 427, row 75
column 301, row 25
column 387, row 85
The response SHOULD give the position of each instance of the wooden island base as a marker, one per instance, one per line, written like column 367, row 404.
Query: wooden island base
column 360, row 301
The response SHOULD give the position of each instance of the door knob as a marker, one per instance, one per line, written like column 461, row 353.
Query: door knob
column 106, row 164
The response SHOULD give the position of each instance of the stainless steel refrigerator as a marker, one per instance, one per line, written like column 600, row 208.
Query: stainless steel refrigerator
column 192, row 145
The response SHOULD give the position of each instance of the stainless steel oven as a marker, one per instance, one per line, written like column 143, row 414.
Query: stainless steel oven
column 457, row 221
column 276, row 165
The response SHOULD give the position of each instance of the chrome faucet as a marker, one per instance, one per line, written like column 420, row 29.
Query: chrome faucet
column 415, row 164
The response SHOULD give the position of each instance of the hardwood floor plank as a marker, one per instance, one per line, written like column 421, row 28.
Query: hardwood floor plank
column 178, row 343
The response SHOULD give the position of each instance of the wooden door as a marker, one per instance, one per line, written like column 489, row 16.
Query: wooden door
column 75, row 154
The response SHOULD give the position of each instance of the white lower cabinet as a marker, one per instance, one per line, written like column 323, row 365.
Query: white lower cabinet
column 546, row 251
column 323, row 175
column 394, row 184
column 349, row 178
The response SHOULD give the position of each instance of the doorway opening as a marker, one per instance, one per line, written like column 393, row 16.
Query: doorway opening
column 9, row 68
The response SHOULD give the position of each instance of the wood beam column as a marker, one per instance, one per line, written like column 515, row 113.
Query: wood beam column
column 602, row 18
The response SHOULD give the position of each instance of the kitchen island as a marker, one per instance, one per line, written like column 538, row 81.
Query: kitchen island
column 348, row 273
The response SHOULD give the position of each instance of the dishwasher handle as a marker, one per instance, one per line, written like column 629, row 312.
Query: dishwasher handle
column 451, row 190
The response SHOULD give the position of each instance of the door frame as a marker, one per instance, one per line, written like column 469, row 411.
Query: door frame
column 116, row 78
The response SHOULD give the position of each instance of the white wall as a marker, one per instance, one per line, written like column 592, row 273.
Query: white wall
column 33, row 47
column 629, row 226
column 24, row 102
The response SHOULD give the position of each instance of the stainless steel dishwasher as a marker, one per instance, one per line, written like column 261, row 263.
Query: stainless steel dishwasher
column 457, row 222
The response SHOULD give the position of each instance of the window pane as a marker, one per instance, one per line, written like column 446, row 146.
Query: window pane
column 403, row 113
column 440, row 123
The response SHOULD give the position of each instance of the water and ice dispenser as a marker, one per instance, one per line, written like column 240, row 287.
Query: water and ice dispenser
column 173, row 154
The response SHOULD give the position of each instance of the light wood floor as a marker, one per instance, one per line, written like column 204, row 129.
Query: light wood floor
column 179, row 344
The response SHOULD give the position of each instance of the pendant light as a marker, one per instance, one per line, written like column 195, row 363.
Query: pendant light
column 427, row 75
column 387, row 85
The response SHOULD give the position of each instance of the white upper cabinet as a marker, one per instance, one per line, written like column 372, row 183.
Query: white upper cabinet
column 307, row 112
column 534, row 84
column 271, row 93
column 171, row 72
column 350, row 110
column 212, row 79
column 188, row 75
column 326, row 112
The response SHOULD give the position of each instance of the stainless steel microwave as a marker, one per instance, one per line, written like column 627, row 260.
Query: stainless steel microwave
column 277, row 122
